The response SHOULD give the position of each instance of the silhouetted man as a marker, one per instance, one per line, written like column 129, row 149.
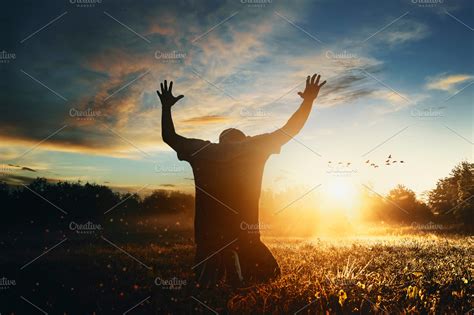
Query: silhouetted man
column 228, row 178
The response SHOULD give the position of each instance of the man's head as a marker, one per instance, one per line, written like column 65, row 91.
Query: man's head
column 231, row 135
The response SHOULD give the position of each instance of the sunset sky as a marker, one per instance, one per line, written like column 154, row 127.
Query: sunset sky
column 399, row 81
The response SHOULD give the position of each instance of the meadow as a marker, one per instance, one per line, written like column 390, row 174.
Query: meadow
column 392, row 273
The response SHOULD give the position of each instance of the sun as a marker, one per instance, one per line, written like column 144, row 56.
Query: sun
column 340, row 189
column 341, row 194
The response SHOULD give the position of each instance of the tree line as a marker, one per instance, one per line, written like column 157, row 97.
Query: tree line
column 41, row 201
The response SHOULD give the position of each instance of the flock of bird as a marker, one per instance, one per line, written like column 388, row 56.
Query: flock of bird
column 389, row 161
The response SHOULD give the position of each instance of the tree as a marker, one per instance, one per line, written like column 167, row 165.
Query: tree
column 404, row 206
column 4, row 191
column 165, row 202
column 453, row 197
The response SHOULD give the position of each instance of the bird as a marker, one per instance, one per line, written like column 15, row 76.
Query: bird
column 390, row 156
column 394, row 161
column 367, row 161
column 387, row 161
column 402, row 162
column 348, row 163
column 329, row 162
column 372, row 164
column 339, row 163
column 376, row 166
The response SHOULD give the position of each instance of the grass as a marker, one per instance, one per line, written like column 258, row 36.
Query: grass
column 417, row 274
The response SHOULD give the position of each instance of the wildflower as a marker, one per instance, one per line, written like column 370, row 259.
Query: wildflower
column 360, row 285
column 379, row 301
column 342, row 297
column 412, row 292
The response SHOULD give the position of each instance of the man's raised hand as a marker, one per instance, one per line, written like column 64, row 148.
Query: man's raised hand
column 166, row 96
column 312, row 88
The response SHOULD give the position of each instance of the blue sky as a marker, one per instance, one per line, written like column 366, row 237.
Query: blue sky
column 399, row 82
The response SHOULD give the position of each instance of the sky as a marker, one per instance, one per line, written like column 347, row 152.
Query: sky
column 79, row 101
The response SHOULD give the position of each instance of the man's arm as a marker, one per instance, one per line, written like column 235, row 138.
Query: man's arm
column 167, row 99
column 299, row 118
column 186, row 148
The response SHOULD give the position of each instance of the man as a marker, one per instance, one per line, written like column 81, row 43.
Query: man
column 228, row 178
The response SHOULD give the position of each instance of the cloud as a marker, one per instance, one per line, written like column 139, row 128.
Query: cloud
column 24, row 168
column 404, row 31
column 447, row 82
column 112, row 145
column 157, row 29
column 16, row 180
column 348, row 87
column 391, row 101
column 200, row 120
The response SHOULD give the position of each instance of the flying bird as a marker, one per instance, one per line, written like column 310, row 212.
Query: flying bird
column 390, row 156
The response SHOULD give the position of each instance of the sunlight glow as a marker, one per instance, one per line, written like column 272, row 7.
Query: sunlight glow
column 341, row 196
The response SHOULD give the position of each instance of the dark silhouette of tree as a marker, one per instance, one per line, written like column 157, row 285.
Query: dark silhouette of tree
column 452, row 199
column 166, row 202
column 41, row 203
column 404, row 207
column 4, row 191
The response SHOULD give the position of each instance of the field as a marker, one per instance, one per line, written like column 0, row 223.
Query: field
column 151, row 273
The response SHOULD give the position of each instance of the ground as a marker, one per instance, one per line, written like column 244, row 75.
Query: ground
column 378, row 274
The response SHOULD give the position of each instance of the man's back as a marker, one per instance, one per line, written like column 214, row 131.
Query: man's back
column 228, row 178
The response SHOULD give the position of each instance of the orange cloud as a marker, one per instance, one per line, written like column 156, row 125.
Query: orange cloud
column 160, row 29
column 200, row 120
column 447, row 83
column 114, row 146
